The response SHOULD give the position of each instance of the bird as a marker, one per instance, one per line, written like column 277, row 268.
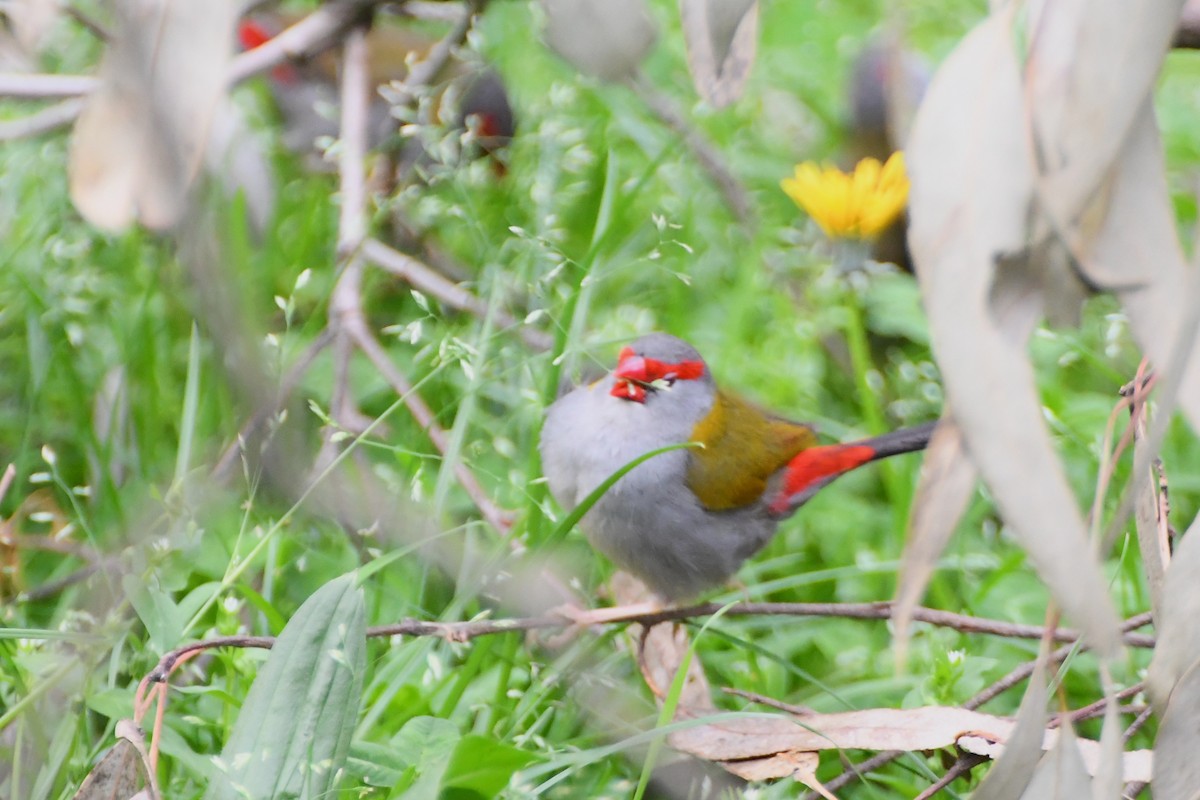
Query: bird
column 684, row 520
column 887, row 83
column 306, row 92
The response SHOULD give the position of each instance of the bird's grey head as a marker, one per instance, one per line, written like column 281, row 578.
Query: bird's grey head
column 657, row 363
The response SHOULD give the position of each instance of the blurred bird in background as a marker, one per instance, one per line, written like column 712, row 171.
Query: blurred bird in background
column 467, row 97
column 887, row 83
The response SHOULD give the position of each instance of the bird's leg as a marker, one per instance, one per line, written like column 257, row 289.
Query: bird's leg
column 587, row 617
column 634, row 600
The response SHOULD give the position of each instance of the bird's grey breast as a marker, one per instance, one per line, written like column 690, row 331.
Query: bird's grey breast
column 589, row 435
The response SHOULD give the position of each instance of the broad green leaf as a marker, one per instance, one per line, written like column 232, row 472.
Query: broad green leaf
column 484, row 765
column 427, row 743
column 293, row 734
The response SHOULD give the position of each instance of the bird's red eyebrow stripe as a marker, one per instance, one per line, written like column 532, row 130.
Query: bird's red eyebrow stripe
column 651, row 369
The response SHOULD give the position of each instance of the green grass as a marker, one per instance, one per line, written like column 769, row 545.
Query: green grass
column 604, row 228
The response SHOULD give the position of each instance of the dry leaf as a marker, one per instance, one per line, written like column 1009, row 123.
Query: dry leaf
column 1139, row 227
column 31, row 21
column 141, row 140
column 605, row 38
column 1012, row 771
column 1090, row 70
column 1176, row 768
column 116, row 775
column 1106, row 783
column 1178, row 647
column 721, row 38
column 800, row 766
column 1061, row 774
column 972, row 189
column 947, row 481
column 924, row 728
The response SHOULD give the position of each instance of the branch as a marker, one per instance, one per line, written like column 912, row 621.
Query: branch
column 856, row 771
column 471, row 629
column 45, row 87
column 731, row 189
column 963, row 766
column 43, row 121
column 316, row 33
column 424, row 279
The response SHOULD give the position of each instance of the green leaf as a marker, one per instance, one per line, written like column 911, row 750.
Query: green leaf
column 484, row 765
column 427, row 743
column 293, row 734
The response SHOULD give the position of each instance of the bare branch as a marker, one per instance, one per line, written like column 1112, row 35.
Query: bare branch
column 731, row 189
column 45, row 87
column 424, row 279
column 963, row 766
column 47, row 119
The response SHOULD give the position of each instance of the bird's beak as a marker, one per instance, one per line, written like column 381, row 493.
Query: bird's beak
column 630, row 377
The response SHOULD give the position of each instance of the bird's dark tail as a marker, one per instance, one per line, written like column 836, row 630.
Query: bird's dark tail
column 816, row 467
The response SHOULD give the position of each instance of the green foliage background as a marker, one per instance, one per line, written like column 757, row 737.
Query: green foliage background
column 604, row 228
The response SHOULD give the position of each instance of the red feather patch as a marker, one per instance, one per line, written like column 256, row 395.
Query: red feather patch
column 817, row 464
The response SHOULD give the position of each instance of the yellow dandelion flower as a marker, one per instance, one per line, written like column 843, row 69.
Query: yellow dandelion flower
column 858, row 205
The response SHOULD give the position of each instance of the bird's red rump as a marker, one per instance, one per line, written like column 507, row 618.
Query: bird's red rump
column 816, row 464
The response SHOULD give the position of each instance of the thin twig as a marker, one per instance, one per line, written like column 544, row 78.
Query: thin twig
column 48, row 544
column 963, row 766
column 317, row 32
column 287, row 385
column 710, row 159
column 498, row 518
column 52, row 588
column 346, row 318
column 471, row 629
column 87, row 21
column 6, row 480
column 1095, row 709
column 425, row 279
column 762, row 699
column 858, row 771
column 1137, row 723
column 424, row 72
column 47, row 119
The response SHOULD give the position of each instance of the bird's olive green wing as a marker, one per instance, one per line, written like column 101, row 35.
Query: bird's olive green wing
column 743, row 448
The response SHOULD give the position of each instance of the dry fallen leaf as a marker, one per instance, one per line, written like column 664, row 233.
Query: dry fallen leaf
column 800, row 766
column 116, row 775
